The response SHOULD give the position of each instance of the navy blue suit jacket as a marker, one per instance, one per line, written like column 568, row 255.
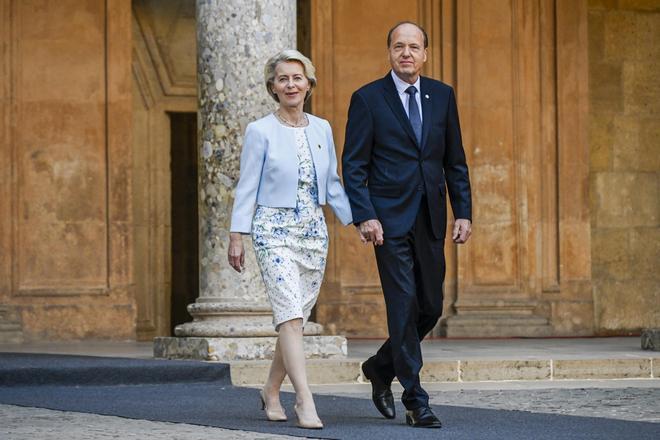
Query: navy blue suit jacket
column 385, row 170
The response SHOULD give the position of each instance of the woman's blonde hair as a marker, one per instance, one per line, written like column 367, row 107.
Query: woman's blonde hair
column 282, row 57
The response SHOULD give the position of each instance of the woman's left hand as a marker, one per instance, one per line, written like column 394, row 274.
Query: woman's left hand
column 236, row 253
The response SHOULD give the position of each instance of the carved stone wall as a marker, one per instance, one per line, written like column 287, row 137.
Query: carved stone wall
column 164, row 80
column 85, row 148
column 519, row 69
column 624, row 128
column 66, row 232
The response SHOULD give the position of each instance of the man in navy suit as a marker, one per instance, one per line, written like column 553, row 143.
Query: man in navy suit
column 403, row 153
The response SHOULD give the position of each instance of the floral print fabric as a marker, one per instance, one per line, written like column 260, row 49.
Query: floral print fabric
column 291, row 245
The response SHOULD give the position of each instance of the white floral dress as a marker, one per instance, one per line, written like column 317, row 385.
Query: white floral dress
column 291, row 244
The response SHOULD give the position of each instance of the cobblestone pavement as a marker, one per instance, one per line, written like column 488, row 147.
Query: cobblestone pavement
column 20, row 423
column 634, row 400
column 636, row 404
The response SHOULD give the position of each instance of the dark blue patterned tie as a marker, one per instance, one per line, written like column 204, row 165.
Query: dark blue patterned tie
column 413, row 114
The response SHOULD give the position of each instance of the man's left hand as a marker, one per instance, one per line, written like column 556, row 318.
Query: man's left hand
column 462, row 230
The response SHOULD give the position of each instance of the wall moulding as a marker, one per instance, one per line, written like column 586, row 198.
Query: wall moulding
column 60, row 150
column 159, row 30
column 163, row 82
column 512, row 78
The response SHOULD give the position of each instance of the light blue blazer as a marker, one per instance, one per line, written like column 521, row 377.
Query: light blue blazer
column 269, row 170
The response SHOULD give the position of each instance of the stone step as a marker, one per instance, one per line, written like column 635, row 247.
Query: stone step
column 474, row 325
column 346, row 371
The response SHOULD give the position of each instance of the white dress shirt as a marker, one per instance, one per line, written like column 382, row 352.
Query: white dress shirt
column 401, row 87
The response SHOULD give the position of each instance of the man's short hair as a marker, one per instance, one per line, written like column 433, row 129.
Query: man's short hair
column 389, row 34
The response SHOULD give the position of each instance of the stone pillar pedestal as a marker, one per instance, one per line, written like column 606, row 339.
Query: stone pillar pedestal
column 231, row 317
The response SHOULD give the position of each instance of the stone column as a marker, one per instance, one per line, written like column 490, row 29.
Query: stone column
column 232, row 317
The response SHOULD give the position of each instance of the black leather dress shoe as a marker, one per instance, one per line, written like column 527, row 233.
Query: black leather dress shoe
column 381, row 393
column 422, row 417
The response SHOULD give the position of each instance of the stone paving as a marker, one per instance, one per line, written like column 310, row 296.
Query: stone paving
column 20, row 423
column 634, row 404
column 626, row 400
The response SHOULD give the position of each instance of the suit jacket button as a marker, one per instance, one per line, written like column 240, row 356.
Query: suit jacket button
column 420, row 188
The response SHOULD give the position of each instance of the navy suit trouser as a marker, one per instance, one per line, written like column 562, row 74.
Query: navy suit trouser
column 412, row 271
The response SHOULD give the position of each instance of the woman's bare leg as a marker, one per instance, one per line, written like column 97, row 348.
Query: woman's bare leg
column 293, row 356
column 274, row 381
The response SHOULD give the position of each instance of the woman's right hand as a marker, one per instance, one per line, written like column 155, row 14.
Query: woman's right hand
column 236, row 253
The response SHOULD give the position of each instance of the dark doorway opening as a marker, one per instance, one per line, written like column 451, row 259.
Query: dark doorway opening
column 184, row 217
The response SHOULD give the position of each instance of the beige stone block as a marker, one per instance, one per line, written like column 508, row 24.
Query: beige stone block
column 573, row 318
column 92, row 320
column 62, row 255
column 575, row 249
column 635, row 144
column 63, row 70
column 494, row 260
column 363, row 316
column 596, row 34
column 645, row 253
column 492, row 133
column 602, row 369
column 601, row 136
column 504, row 370
column 606, row 87
column 602, row 4
column 121, row 257
column 620, row 35
column 625, row 142
column 330, row 371
column 625, row 199
column 319, row 372
column 358, row 263
column 611, row 254
column 648, row 150
column 655, row 365
column 439, row 371
column 641, row 88
column 492, row 186
column 641, row 5
column 626, row 305
column 57, row 20
column 249, row 372
column 647, row 46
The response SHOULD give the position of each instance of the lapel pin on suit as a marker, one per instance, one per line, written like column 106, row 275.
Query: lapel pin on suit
column 426, row 96
column 319, row 146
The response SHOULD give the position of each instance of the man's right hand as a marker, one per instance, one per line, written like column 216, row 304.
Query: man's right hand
column 371, row 230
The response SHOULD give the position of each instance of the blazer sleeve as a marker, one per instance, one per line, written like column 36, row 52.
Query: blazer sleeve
column 336, row 196
column 245, row 199
column 456, row 170
column 356, row 158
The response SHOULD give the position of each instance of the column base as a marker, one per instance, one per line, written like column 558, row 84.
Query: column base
column 240, row 349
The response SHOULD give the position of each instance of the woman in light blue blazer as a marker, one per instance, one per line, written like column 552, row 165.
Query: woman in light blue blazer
column 288, row 171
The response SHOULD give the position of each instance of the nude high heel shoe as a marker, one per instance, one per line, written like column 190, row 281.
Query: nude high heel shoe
column 307, row 424
column 272, row 415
